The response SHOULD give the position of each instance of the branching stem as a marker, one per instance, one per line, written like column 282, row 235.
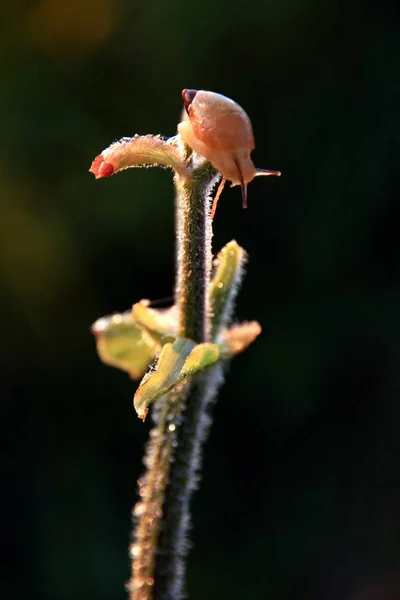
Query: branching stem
column 173, row 452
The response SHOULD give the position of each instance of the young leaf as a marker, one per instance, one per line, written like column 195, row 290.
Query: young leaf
column 237, row 338
column 224, row 286
column 139, row 151
column 175, row 363
column 160, row 324
column 122, row 344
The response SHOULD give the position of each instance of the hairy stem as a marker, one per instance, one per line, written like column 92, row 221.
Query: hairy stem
column 147, row 512
column 194, row 259
column 173, row 542
column 173, row 452
column 193, row 253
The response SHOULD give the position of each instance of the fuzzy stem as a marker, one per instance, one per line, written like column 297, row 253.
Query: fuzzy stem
column 173, row 453
column 173, row 544
column 193, row 253
column 147, row 512
column 194, row 259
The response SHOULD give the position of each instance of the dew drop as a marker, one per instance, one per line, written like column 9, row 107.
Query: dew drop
column 139, row 509
column 134, row 551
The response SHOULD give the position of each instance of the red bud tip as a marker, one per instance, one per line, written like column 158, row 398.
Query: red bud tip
column 100, row 168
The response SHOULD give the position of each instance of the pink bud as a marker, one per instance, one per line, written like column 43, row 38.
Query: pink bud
column 138, row 151
column 100, row 168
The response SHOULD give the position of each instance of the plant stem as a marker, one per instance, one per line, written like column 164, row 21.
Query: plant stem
column 173, row 544
column 148, row 510
column 193, row 253
column 181, row 417
column 194, row 259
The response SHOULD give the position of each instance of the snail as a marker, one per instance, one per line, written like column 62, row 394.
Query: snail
column 218, row 129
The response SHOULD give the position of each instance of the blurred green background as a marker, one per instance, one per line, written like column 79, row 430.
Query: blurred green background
column 301, row 490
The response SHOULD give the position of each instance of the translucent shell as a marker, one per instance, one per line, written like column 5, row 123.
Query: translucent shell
column 219, row 130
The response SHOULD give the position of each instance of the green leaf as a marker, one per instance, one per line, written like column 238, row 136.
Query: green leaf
column 176, row 362
column 160, row 324
column 224, row 285
column 122, row 344
column 202, row 355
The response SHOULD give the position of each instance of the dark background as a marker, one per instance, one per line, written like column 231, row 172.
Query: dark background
column 301, row 490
